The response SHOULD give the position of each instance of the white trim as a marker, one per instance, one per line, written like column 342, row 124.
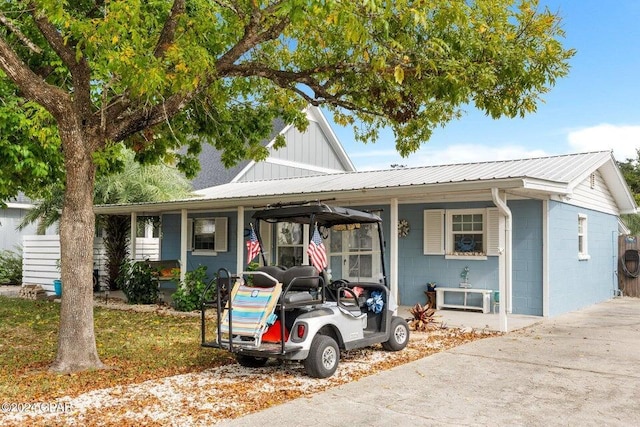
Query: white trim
column 240, row 243
column 393, row 250
column 184, row 229
column 133, row 226
column 11, row 205
column 545, row 258
column 298, row 165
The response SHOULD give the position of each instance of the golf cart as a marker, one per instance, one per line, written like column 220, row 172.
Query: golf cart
column 299, row 313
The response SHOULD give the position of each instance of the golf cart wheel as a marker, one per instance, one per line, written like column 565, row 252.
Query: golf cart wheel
column 323, row 358
column 399, row 337
column 251, row 361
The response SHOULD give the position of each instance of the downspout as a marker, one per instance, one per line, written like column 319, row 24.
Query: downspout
column 505, row 282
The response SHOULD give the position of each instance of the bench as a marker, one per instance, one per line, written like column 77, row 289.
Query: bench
column 485, row 293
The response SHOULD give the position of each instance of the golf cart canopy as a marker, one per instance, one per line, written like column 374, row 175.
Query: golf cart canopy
column 324, row 215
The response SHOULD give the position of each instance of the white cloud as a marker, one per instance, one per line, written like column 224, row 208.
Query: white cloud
column 623, row 140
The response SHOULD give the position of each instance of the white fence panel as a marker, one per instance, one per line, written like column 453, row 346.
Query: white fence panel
column 41, row 255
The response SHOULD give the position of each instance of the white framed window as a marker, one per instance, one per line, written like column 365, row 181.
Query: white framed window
column 289, row 244
column 583, row 250
column 462, row 233
column 207, row 236
column 359, row 252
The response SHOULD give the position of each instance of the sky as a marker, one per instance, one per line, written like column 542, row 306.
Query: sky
column 596, row 107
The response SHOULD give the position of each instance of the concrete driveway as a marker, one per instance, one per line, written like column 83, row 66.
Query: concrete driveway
column 578, row 369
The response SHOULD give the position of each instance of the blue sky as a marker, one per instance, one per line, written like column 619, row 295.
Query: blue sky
column 596, row 107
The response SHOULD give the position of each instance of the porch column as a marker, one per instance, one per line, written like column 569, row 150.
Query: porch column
column 240, row 244
column 184, row 231
column 393, row 250
column 132, row 235
column 545, row 258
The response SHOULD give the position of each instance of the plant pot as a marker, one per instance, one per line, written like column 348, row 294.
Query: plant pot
column 57, row 287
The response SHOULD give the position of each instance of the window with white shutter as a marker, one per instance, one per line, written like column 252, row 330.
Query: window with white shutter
column 468, row 233
column 207, row 236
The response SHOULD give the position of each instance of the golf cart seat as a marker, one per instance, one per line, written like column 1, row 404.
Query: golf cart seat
column 301, row 285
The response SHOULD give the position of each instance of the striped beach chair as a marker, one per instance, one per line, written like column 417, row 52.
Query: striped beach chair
column 252, row 312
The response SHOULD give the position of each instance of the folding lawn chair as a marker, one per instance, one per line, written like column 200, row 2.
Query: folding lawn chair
column 251, row 314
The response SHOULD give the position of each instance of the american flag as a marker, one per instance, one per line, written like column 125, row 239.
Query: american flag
column 253, row 246
column 316, row 251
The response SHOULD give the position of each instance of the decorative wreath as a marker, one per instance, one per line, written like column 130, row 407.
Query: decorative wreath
column 403, row 228
column 466, row 244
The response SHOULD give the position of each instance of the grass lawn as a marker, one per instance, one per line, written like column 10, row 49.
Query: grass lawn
column 137, row 346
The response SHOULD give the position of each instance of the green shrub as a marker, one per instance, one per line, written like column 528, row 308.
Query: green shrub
column 139, row 282
column 10, row 267
column 188, row 296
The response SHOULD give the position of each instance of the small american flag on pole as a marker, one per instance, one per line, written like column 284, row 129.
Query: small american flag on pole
column 316, row 251
column 253, row 246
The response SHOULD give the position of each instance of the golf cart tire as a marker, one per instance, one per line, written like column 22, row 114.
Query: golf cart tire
column 251, row 361
column 399, row 336
column 323, row 357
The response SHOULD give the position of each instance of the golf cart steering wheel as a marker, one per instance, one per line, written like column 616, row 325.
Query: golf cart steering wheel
column 336, row 284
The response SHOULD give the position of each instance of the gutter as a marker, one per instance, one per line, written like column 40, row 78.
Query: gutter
column 505, row 283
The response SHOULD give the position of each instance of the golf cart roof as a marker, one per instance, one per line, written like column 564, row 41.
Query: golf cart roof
column 323, row 215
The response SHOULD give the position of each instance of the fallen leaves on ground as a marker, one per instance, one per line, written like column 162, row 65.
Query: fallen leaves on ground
column 230, row 391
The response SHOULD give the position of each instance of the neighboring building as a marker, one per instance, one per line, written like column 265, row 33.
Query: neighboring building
column 541, row 230
column 10, row 218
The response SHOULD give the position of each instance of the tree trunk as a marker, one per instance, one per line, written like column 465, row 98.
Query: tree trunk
column 76, row 340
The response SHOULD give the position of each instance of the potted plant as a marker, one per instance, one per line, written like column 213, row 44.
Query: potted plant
column 465, row 277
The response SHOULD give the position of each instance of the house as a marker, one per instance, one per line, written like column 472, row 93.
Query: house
column 312, row 152
column 542, row 231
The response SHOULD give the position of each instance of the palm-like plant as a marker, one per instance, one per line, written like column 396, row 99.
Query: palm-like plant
column 133, row 183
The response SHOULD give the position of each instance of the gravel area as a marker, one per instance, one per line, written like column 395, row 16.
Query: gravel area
column 211, row 396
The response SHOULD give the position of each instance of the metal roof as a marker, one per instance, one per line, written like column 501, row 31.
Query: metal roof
column 551, row 175
column 557, row 169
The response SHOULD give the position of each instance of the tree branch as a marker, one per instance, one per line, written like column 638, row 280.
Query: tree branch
column 79, row 68
column 251, row 38
column 56, row 101
column 15, row 30
column 169, row 30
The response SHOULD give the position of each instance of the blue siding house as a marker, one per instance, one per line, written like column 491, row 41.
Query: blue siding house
column 540, row 231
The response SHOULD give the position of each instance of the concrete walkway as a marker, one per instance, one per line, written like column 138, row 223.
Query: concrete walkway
column 578, row 369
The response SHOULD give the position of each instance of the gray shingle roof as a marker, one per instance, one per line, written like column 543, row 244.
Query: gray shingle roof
column 212, row 171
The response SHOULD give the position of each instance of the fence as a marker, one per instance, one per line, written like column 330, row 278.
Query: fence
column 41, row 254
column 629, row 265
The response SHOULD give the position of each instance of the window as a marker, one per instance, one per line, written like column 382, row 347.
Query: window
column 208, row 236
column 583, row 253
column 462, row 232
column 290, row 244
column 358, row 252
column 466, row 232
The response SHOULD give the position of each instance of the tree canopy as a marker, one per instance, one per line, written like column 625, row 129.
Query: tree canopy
column 81, row 76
